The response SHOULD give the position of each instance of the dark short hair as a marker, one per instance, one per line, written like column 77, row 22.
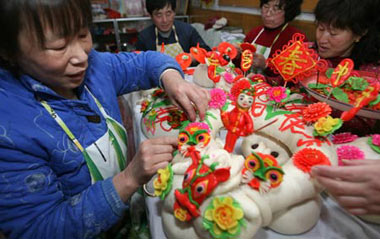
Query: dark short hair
column 65, row 17
column 292, row 8
column 359, row 16
column 152, row 5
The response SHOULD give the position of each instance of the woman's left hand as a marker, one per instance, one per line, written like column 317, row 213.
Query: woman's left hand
column 187, row 96
column 356, row 185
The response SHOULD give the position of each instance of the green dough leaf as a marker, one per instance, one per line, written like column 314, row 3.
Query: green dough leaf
column 357, row 83
column 340, row 95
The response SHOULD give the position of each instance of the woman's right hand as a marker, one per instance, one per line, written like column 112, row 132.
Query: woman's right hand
column 152, row 155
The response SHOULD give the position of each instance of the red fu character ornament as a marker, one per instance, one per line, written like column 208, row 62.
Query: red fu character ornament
column 238, row 121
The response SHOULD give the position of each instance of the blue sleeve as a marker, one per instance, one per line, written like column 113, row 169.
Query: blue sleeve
column 135, row 71
column 33, row 206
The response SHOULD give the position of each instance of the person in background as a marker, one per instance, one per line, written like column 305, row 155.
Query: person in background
column 63, row 171
column 176, row 36
column 350, row 29
column 273, row 34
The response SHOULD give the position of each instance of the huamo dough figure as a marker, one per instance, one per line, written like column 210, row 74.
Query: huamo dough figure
column 238, row 121
column 216, row 194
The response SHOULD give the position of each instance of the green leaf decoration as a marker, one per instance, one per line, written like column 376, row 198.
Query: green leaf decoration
column 225, row 106
column 373, row 147
column 207, row 119
column 357, row 83
column 375, row 101
column 317, row 86
column 329, row 72
column 340, row 95
column 272, row 113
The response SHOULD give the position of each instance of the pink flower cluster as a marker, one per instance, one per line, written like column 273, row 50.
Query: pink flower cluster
column 349, row 152
column 218, row 98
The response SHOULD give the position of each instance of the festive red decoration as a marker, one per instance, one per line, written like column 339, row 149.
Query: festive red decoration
column 296, row 60
column 184, row 60
column 239, row 86
column 246, row 60
column 199, row 54
column 343, row 138
column 342, row 72
column 315, row 111
column 309, row 157
column 226, row 48
column 247, row 46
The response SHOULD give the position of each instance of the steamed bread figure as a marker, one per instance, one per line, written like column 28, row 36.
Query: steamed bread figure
column 238, row 121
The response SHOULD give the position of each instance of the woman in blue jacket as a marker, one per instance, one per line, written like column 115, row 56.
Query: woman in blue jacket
column 62, row 147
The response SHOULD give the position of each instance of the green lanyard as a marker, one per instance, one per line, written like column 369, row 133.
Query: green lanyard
column 97, row 176
column 94, row 171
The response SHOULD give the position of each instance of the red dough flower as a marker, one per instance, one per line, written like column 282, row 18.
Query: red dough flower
column 343, row 138
column 315, row 111
column 308, row 157
column 239, row 86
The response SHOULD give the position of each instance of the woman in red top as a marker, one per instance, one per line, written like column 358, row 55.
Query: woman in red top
column 274, row 33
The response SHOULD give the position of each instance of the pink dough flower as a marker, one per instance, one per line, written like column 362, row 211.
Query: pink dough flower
column 349, row 152
column 344, row 138
column 218, row 98
column 376, row 139
column 277, row 93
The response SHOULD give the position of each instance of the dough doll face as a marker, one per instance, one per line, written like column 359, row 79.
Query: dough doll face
column 334, row 42
column 60, row 64
column 245, row 101
column 272, row 14
column 163, row 18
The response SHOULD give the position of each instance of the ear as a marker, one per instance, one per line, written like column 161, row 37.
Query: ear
column 222, row 174
column 358, row 37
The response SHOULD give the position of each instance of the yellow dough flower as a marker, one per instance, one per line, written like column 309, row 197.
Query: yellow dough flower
column 223, row 218
column 326, row 125
column 162, row 183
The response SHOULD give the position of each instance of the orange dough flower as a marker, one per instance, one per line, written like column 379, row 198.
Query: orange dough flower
column 315, row 111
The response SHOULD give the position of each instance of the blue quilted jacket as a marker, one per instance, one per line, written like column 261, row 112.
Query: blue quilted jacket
column 45, row 185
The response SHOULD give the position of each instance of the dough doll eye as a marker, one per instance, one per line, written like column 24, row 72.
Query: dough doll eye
column 187, row 178
column 183, row 138
column 203, row 138
column 275, row 177
column 200, row 189
column 254, row 146
column 274, row 154
column 252, row 163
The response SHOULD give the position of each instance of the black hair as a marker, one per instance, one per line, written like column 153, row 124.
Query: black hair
column 152, row 5
column 292, row 8
column 361, row 18
column 64, row 17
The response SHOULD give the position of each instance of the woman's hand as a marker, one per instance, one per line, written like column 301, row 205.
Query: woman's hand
column 152, row 155
column 356, row 185
column 187, row 96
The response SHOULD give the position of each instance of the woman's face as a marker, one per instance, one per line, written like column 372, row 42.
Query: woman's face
column 334, row 42
column 60, row 63
column 163, row 18
column 272, row 15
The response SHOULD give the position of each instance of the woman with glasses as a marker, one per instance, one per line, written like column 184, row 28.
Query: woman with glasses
column 166, row 34
column 275, row 31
